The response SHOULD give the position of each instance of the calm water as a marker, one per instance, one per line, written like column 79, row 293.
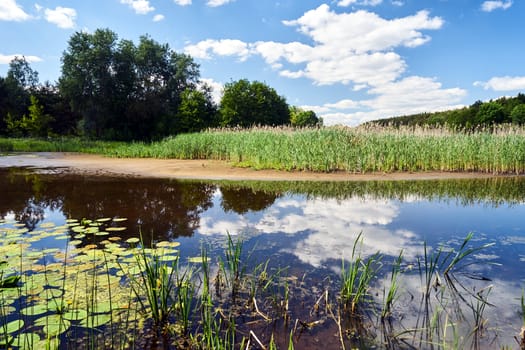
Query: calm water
column 306, row 227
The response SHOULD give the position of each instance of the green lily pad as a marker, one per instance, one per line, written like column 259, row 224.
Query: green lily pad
column 95, row 320
column 116, row 229
column 53, row 324
column 33, row 310
column 75, row 315
column 103, row 220
column 12, row 326
column 132, row 240
column 27, row 341
column 119, row 219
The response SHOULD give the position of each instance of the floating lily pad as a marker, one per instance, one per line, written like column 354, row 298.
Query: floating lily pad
column 34, row 310
column 103, row 220
column 197, row 259
column 132, row 240
column 12, row 326
column 116, row 229
column 96, row 320
column 75, row 315
column 78, row 229
column 53, row 324
column 27, row 341
column 167, row 258
column 119, row 219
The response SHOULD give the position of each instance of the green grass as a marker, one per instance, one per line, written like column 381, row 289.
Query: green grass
column 355, row 150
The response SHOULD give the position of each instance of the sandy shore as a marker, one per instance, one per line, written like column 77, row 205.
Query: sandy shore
column 193, row 169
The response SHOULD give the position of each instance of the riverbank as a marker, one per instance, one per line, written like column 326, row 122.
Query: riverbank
column 91, row 164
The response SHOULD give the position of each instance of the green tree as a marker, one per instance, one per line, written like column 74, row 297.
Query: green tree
column 196, row 111
column 518, row 114
column 247, row 103
column 301, row 118
column 123, row 91
column 490, row 113
column 87, row 79
column 36, row 123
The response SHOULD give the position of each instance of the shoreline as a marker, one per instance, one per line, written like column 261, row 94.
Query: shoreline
column 98, row 165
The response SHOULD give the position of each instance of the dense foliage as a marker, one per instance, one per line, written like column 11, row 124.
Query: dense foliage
column 114, row 89
column 247, row 103
column 502, row 110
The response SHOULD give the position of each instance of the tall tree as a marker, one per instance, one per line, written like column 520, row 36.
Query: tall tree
column 21, row 81
column 121, row 90
column 196, row 111
column 247, row 103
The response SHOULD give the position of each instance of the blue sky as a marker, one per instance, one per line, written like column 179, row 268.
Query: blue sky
column 348, row 60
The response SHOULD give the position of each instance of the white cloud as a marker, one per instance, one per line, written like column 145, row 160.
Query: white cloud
column 489, row 6
column 354, row 48
column 343, row 104
column 363, row 31
column 398, row 3
column 344, row 3
column 11, row 11
column 6, row 59
column 183, row 2
column 158, row 18
column 407, row 96
column 63, row 17
column 141, row 7
column 224, row 47
column 217, row 89
column 505, row 83
column 216, row 3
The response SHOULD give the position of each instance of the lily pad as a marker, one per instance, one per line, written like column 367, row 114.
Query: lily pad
column 116, row 229
column 27, row 341
column 34, row 310
column 12, row 326
column 96, row 320
column 75, row 315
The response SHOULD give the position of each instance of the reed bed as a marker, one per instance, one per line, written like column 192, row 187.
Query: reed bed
column 356, row 150
column 365, row 149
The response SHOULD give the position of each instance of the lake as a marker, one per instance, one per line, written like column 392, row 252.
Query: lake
column 447, row 296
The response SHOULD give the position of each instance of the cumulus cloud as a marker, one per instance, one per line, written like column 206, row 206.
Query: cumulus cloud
column 141, row 7
column 505, row 83
column 410, row 95
column 224, row 47
column 11, row 11
column 183, row 2
column 351, row 48
column 63, row 17
column 6, row 59
column 489, row 6
column 216, row 3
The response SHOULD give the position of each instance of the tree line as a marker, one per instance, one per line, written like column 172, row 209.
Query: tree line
column 505, row 110
column 114, row 89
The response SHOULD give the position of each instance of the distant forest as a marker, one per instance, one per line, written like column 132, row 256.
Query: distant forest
column 114, row 89
column 504, row 110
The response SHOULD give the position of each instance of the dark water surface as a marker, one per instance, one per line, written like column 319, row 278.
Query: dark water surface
column 309, row 228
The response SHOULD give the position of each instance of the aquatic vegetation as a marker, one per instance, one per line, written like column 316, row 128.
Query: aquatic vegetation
column 104, row 292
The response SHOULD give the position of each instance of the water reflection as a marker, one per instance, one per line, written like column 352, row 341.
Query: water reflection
column 307, row 226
